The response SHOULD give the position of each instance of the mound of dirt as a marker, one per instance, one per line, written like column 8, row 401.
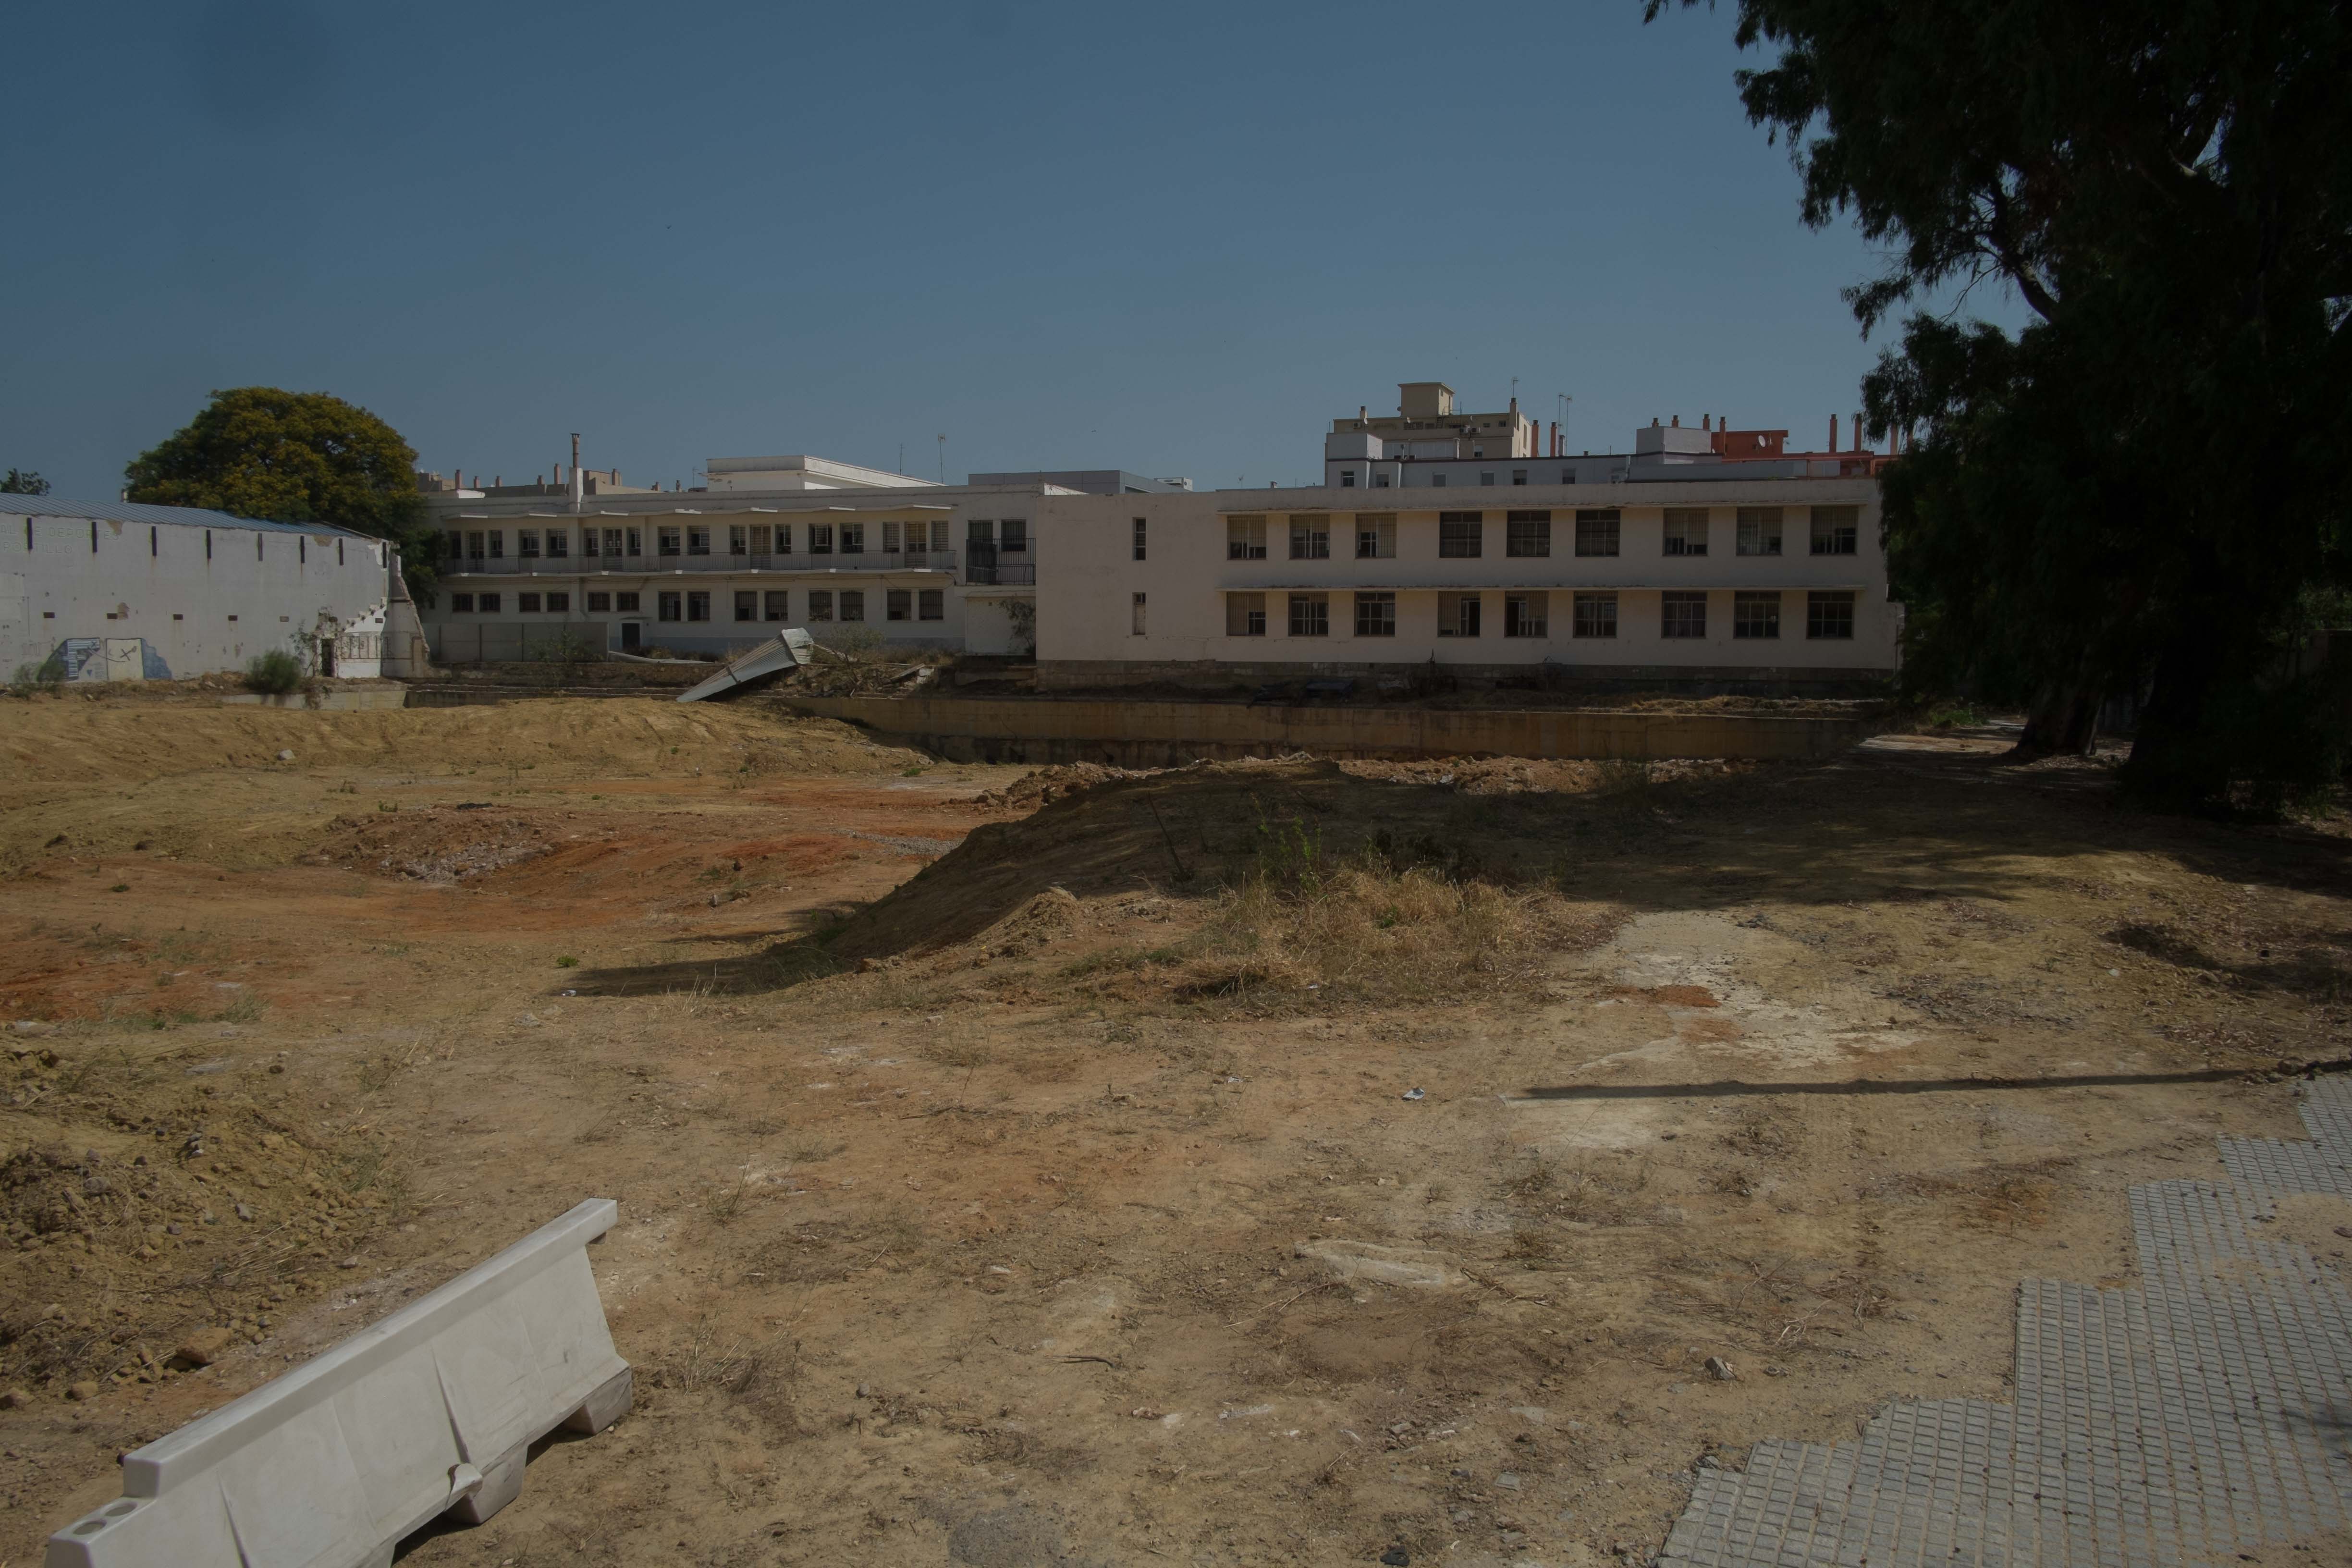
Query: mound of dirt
column 147, row 1199
column 1059, row 782
column 440, row 844
column 45, row 741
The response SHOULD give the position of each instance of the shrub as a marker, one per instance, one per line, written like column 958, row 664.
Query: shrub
column 48, row 676
column 275, row 672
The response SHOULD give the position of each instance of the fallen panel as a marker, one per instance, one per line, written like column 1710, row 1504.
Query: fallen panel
column 431, row 1411
column 793, row 648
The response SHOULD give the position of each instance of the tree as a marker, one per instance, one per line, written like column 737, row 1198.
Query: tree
column 23, row 482
column 2141, row 490
column 295, row 457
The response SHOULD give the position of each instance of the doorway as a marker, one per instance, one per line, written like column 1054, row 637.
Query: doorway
column 632, row 635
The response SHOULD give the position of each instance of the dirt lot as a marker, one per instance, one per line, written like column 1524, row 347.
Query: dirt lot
column 1247, row 1163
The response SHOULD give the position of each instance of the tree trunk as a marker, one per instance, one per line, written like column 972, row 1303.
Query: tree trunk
column 2062, row 718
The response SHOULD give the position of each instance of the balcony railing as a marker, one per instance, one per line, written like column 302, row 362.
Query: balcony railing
column 568, row 566
column 1003, row 575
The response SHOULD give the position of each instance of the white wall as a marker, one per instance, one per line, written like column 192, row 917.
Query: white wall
column 1084, row 599
column 89, row 590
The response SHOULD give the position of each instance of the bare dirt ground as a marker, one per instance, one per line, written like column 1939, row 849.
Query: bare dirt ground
column 1247, row 1163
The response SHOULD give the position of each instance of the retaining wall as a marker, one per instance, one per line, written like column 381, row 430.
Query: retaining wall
column 1160, row 733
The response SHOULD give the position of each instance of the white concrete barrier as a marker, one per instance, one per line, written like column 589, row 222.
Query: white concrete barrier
column 431, row 1411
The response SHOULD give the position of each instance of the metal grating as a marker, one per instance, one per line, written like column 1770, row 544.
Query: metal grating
column 2199, row 1416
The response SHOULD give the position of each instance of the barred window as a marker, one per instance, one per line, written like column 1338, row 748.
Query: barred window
column 853, row 541
column 747, row 603
column 697, row 541
column 697, row 605
column 1461, row 535
column 1376, row 614
column 1685, row 532
column 1375, row 536
column 558, row 543
column 527, row 543
column 669, row 541
column 1014, row 537
column 1310, row 537
column 669, row 607
column 600, row 603
column 1597, row 531
column 899, row 604
column 930, row 605
column 588, row 542
column 1134, row 608
column 1458, row 614
column 1245, row 615
column 1141, row 531
column 1836, row 530
column 820, row 539
column 738, row 538
column 889, row 539
column 1829, row 615
column 526, row 603
column 626, row 604
column 1596, row 616
column 820, row 604
column 1755, row 615
column 559, row 604
column 853, row 603
column 461, row 603
column 1759, row 531
column 1682, row 614
column 490, row 602
column 1245, row 538
column 1310, row 615
column 777, row 604
column 1526, row 615
column 1527, row 533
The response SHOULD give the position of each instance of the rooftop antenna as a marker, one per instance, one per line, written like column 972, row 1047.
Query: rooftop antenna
column 902, row 458
column 944, row 459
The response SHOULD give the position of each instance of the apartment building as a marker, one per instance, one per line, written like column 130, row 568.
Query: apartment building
column 1763, row 571
column 709, row 572
column 122, row 591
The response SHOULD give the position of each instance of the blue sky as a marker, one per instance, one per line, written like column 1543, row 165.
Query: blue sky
column 1177, row 239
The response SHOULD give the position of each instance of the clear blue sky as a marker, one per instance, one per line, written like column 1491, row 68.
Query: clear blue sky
column 1178, row 239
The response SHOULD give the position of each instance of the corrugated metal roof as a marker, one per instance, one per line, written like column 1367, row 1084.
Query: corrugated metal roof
column 141, row 511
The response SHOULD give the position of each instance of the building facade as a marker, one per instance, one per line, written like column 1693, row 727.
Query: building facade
column 121, row 591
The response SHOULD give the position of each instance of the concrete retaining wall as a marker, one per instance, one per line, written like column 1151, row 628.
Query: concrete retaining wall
column 1014, row 730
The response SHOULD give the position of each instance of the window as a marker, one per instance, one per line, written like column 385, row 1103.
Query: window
column 738, row 540
column 1682, row 614
column 930, row 605
column 558, row 543
column 1685, row 532
column 1461, row 535
column 1245, row 539
column 820, row 601
column 890, row 538
column 1526, row 615
column 497, row 543
column 474, row 544
column 697, row 605
column 1458, row 614
column 1310, row 537
column 979, row 531
column 526, row 603
column 1527, row 533
column 459, row 603
column 559, row 604
column 820, row 539
column 1829, row 615
column 939, row 534
column 1836, row 530
column 626, row 604
column 853, row 540
column 527, row 543
column 853, row 603
column 785, row 538
column 1376, row 614
column 637, row 537
column 1519, row 476
column 600, row 603
column 1347, row 478
column 1486, row 478
column 667, row 607
column 1438, row 480
column 669, row 541
column 1310, row 615
column 1375, row 536
column 1759, row 531
column 762, row 539
column 1567, row 476
column 611, row 542
column 1595, row 616
column 779, row 605
column 1480, row 452
column 899, row 604
column 1014, row 538
column 747, row 603
column 1140, row 527
column 1755, row 615
column 1135, row 616
column 1596, row 531
column 697, row 541
column 490, row 602
column 457, row 541
column 1245, row 615
column 1379, row 481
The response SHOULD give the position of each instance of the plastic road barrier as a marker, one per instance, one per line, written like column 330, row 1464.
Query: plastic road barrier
column 431, row 1411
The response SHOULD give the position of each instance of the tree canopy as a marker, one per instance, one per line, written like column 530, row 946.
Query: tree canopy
column 23, row 482
column 2139, row 492
column 292, row 457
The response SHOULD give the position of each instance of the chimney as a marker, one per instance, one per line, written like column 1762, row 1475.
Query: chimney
column 1703, row 422
column 1679, row 421
column 1833, row 433
column 579, row 488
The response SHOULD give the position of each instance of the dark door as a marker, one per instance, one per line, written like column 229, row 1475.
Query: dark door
column 632, row 636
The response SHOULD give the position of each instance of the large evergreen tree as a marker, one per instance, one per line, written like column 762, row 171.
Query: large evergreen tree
column 2143, row 490
column 294, row 457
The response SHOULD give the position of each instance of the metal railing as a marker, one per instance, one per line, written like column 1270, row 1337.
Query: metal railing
column 1003, row 575
column 590, row 565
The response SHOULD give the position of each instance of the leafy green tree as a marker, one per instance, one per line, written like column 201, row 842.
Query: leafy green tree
column 2141, row 490
column 294, row 457
column 23, row 482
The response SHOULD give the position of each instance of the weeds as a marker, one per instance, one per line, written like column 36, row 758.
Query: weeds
column 246, row 1008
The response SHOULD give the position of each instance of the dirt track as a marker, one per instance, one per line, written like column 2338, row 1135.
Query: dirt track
column 1060, row 1228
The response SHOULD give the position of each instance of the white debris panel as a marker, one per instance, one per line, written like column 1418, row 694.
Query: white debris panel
column 792, row 648
column 431, row 1411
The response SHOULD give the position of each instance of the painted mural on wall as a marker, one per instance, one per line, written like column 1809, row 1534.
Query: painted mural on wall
column 111, row 658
